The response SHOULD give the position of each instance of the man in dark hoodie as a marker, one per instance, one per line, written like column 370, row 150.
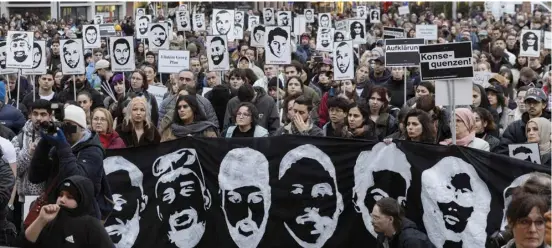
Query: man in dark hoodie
column 396, row 89
column 81, row 85
column 45, row 90
column 69, row 221
column 72, row 150
column 394, row 230
column 379, row 75
column 268, row 112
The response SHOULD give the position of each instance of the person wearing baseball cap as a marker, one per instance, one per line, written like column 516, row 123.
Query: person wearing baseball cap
column 75, row 151
column 495, row 94
column 380, row 75
column 535, row 102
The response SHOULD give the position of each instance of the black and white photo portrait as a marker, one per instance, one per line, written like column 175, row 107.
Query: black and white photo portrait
column 284, row 18
column 140, row 11
column 382, row 172
column 20, row 47
column 72, row 61
column 39, row 59
column 529, row 152
column 257, row 36
column 309, row 15
column 314, row 205
column 199, row 22
column 252, row 21
column 343, row 60
column 3, row 57
column 341, row 35
column 91, row 36
column 122, row 53
column 530, row 43
column 217, row 53
column 238, row 32
column 98, row 19
column 245, row 195
column 277, row 45
column 239, row 17
column 374, row 16
column 127, row 182
column 239, row 25
column 268, row 16
column 180, row 182
column 183, row 21
column 223, row 23
column 325, row 20
column 356, row 30
column 142, row 23
column 361, row 12
column 158, row 36
column 456, row 203
column 324, row 40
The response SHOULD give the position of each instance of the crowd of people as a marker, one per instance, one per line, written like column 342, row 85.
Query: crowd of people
column 56, row 138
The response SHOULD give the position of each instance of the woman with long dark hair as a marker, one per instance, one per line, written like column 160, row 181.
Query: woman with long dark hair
column 530, row 43
column 189, row 121
column 359, row 124
column 485, row 127
column 378, row 103
column 419, row 127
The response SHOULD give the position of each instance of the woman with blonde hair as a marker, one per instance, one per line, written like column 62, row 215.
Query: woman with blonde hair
column 102, row 123
column 137, row 128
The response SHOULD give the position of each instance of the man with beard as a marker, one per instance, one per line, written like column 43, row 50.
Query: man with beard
column 283, row 18
column 121, row 51
column 198, row 21
column 313, row 206
column 183, row 20
column 309, row 15
column 325, row 21
column 142, row 25
column 245, row 195
column 3, row 54
column 455, row 211
column 343, row 56
column 277, row 40
column 45, row 90
column 72, row 53
column 218, row 49
column 159, row 35
column 37, row 55
column 258, row 34
column 181, row 183
column 325, row 37
column 268, row 15
column 379, row 173
column 20, row 47
column 223, row 22
column 238, row 17
column 126, row 180
column 91, row 35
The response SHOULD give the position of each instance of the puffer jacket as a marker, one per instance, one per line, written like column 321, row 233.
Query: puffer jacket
column 11, row 117
column 408, row 237
column 22, row 143
column 268, row 111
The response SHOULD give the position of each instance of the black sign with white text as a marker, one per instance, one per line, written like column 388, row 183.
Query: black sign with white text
column 392, row 33
column 402, row 52
column 446, row 61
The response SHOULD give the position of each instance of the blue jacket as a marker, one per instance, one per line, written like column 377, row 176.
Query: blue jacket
column 11, row 117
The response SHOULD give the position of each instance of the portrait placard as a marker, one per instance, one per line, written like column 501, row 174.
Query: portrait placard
column 122, row 53
column 217, row 53
column 530, row 43
column 222, row 22
column 39, row 59
column 258, row 36
column 199, row 22
column 278, row 45
column 91, row 36
column 72, row 61
column 183, row 22
column 141, row 29
column 20, row 48
column 343, row 61
column 158, row 36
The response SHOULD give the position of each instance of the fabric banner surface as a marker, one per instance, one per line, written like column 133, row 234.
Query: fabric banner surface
column 302, row 191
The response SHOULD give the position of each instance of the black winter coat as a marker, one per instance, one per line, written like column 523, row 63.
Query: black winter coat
column 408, row 237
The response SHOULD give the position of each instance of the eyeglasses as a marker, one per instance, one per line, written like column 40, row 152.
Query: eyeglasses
column 527, row 223
column 101, row 120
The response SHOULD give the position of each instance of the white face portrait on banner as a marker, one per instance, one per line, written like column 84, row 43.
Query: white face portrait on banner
column 284, row 18
column 361, row 12
column 122, row 53
column 19, row 53
column 375, row 16
column 257, row 38
column 140, row 11
column 268, row 16
column 72, row 61
column 222, row 23
column 530, row 43
column 309, row 15
column 252, row 22
column 39, row 59
column 325, row 20
column 324, row 40
column 183, row 21
column 356, row 30
column 142, row 23
column 98, row 19
column 199, row 22
column 217, row 53
column 278, row 45
column 91, row 36
column 158, row 36
column 341, row 35
column 343, row 60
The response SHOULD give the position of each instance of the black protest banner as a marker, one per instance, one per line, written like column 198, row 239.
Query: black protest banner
column 402, row 52
column 393, row 33
column 301, row 191
column 446, row 61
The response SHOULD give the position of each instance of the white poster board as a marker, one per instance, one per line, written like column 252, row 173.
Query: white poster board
column 98, row 19
column 357, row 31
column 375, row 16
column 324, row 40
column 20, row 48
column 198, row 23
column 284, row 18
column 29, row 199
column 462, row 92
column 72, row 57
column 140, row 11
column 3, row 56
column 309, row 15
column 217, row 53
column 403, row 10
column 482, row 78
column 158, row 37
column 39, row 59
column 343, row 62
column 325, row 20
column 157, row 91
column 239, row 24
column 252, row 21
column 121, row 50
column 527, row 151
column 257, row 38
column 547, row 40
column 173, row 61
column 277, row 45
column 427, row 32
column 183, row 21
column 530, row 43
column 91, row 36
column 142, row 24
column 222, row 22
column 268, row 16
column 361, row 12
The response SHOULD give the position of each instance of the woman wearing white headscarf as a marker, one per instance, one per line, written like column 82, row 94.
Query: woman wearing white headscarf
column 538, row 131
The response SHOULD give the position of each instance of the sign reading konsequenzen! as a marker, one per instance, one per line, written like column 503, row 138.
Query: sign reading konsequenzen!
column 446, row 61
column 402, row 52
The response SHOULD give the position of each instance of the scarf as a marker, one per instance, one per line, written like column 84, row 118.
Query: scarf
column 544, row 133
column 467, row 117
column 193, row 129
column 106, row 139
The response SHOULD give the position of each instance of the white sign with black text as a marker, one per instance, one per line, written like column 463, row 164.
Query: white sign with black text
column 173, row 61
column 427, row 32
column 393, row 33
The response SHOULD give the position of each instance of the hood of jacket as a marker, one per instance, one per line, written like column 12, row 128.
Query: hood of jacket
column 386, row 76
column 525, row 116
column 94, row 140
column 85, row 187
column 260, row 93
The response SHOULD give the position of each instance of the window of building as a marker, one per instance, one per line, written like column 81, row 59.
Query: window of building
column 73, row 12
column 109, row 12
column 42, row 13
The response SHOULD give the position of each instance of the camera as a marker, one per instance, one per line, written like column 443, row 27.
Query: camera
column 50, row 127
column 499, row 239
